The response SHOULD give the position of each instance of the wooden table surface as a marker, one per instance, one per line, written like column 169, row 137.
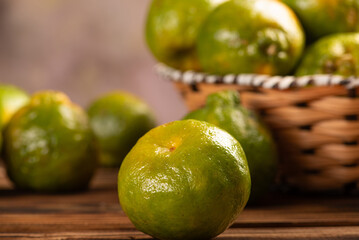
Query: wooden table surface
column 96, row 214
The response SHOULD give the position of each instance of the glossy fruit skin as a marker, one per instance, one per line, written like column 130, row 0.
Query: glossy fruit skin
column 172, row 28
column 184, row 180
column 250, row 36
column 336, row 54
column 325, row 17
column 223, row 109
column 118, row 120
column 11, row 99
column 49, row 145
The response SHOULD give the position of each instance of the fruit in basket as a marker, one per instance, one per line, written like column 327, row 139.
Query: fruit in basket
column 250, row 36
column 118, row 120
column 336, row 54
column 172, row 28
column 48, row 145
column 322, row 18
column 184, row 180
column 11, row 99
column 224, row 110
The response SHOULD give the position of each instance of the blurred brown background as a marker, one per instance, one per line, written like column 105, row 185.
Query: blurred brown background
column 84, row 48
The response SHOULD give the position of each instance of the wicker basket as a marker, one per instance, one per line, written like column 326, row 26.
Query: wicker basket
column 314, row 120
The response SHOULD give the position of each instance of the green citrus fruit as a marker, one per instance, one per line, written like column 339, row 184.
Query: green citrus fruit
column 324, row 17
column 49, row 145
column 184, row 180
column 250, row 36
column 224, row 110
column 172, row 28
column 11, row 99
column 335, row 54
column 118, row 120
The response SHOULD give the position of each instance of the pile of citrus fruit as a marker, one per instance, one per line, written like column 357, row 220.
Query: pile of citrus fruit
column 273, row 37
column 51, row 144
column 191, row 178
column 187, row 179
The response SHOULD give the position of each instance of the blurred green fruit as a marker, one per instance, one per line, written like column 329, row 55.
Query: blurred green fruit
column 224, row 110
column 335, row 54
column 172, row 28
column 11, row 99
column 324, row 17
column 250, row 36
column 49, row 145
column 118, row 120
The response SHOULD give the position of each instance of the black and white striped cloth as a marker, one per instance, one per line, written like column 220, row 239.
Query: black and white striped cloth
column 256, row 80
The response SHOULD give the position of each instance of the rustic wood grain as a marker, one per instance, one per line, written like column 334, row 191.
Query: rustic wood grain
column 96, row 214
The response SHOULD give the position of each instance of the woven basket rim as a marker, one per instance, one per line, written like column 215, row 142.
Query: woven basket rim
column 255, row 80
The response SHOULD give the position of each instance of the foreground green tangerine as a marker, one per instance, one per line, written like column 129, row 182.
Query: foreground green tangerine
column 184, row 180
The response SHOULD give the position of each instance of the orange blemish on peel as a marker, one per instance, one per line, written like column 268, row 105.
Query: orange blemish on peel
column 174, row 143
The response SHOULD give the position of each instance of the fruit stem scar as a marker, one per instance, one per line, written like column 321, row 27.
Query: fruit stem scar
column 172, row 149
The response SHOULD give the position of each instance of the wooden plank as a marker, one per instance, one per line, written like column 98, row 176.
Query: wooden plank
column 82, row 235
column 46, row 222
column 96, row 214
column 287, row 211
column 318, row 233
